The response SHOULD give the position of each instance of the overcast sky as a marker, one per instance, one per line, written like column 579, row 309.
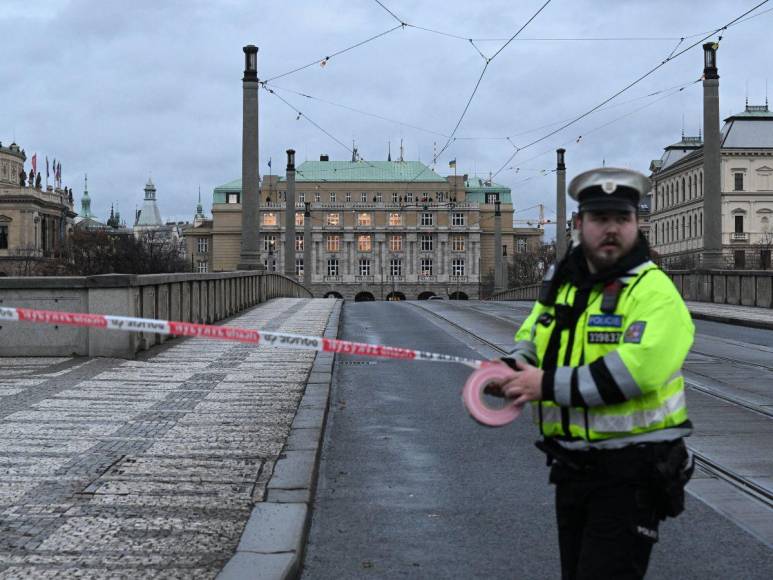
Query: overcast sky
column 127, row 90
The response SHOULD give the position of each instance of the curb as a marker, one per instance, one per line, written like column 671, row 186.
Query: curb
column 763, row 324
column 272, row 543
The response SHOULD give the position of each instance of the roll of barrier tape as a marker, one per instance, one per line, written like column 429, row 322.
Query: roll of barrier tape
column 472, row 396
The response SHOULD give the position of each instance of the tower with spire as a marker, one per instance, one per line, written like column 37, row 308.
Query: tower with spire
column 199, row 218
column 150, row 216
column 86, row 200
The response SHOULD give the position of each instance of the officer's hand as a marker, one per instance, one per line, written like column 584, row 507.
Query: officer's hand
column 526, row 385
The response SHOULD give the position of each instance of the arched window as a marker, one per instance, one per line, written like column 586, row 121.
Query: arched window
column 700, row 184
column 689, row 226
column 683, row 188
column 683, row 230
column 700, row 223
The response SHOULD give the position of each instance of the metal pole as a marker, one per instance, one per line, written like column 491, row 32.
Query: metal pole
column 560, row 204
column 289, row 254
column 249, row 257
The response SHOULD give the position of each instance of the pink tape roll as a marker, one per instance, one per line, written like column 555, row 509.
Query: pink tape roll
column 472, row 396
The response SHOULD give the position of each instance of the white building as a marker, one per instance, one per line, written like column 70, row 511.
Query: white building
column 676, row 223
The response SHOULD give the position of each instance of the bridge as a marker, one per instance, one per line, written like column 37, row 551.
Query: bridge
column 202, row 459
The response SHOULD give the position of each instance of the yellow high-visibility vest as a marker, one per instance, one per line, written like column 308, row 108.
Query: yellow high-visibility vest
column 616, row 379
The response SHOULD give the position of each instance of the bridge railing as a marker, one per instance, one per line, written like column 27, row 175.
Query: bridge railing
column 529, row 292
column 736, row 287
column 202, row 298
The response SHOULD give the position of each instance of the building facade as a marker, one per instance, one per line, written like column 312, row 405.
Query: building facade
column 746, row 177
column 35, row 220
column 379, row 230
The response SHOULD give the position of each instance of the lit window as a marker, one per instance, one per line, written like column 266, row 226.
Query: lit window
column 457, row 243
column 316, row 197
column 269, row 218
column 457, row 267
column 203, row 266
column 232, row 198
column 364, row 197
column 396, row 243
column 409, row 197
column 333, row 243
column 348, row 196
column 395, row 219
column 333, row 219
column 299, row 266
column 363, row 219
column 203, row 245
column 426, row 243
column 426, row 219
column 457, row 219
column 364, row 266
column 395, row 267
column 302, row 197
column 332, row 267
column 298, row 218
column 332, row 197
column 269, row 242
column 426, row 266
column 379, row 197
column 364, row 243
column 298, row 242
column 492, row 197
column 394, row 198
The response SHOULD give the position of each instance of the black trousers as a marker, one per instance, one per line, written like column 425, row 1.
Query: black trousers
column 607, row 525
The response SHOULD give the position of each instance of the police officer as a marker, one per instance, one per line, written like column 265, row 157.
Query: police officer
column 599, row 357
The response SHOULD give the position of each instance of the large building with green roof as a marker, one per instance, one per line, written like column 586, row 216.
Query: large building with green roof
column 380, row 229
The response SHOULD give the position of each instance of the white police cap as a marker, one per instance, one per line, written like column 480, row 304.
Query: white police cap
column 609, row 188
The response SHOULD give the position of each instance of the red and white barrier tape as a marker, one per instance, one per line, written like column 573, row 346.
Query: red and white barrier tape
column 486, row 373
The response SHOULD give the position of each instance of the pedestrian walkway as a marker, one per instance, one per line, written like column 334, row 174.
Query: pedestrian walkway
column 732, row 314
column 146, row 468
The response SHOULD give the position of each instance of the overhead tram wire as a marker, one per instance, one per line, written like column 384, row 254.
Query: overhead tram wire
column 630, row 85
column 402, row 23
column 602, row 126
column 483, row 72
column 337, row 53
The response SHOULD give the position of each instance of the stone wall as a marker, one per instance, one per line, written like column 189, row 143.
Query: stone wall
column 202, row 298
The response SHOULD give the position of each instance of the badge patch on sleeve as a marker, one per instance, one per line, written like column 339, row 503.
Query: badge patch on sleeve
column 635, row 332
column 604, row 337
column 606, row 320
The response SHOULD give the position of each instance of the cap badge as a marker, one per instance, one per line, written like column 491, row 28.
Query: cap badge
column 609, row 187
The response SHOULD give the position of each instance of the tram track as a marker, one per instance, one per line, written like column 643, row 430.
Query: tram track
column 702, row 462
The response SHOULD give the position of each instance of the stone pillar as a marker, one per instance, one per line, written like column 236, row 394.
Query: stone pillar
column 712, row 185
column 560, row 204
column 249, row 257
column 498, row 283
column 307, row 246
column 290, row 217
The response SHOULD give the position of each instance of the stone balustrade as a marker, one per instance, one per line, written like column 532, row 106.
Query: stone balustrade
column 202, row 298
column 739, row 287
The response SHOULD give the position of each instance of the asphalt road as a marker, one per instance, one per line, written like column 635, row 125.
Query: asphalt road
column 411, row 487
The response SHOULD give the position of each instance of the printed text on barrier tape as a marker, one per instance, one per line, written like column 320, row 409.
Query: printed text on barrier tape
column 472, row 396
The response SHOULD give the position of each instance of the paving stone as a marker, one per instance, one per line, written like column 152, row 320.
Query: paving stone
column 147, row 468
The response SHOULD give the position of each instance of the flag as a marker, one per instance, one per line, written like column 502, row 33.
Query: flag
column 269, row 162
column 35, row 164
column 452, row 163
column 47, row 168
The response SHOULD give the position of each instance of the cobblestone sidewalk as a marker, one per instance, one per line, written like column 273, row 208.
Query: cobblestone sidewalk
column 129, row 469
